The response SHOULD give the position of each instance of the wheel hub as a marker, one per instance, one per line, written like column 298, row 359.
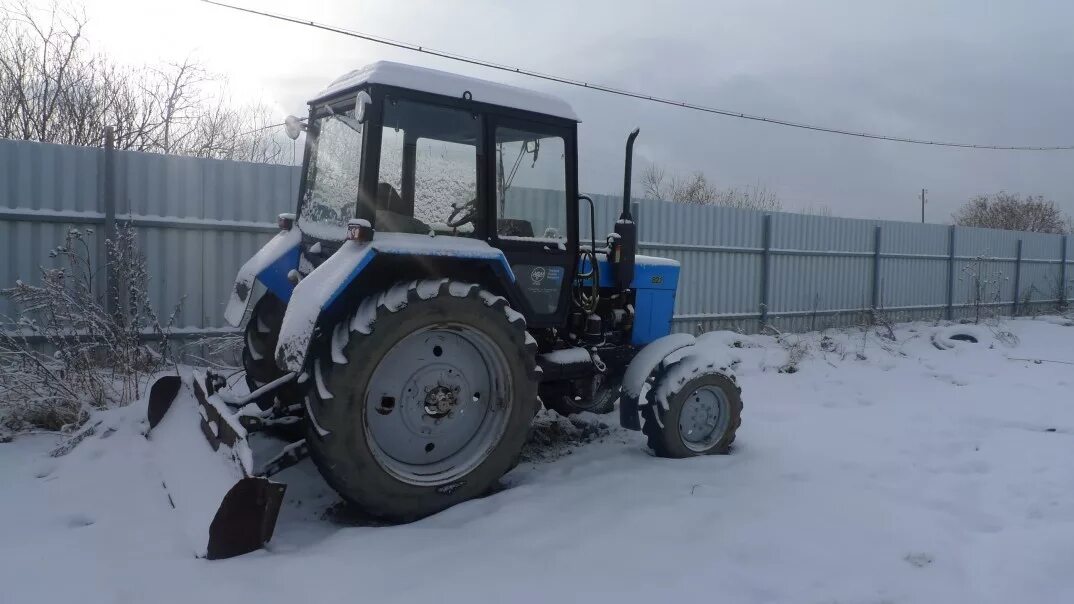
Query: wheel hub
column 441, row 400
column 704, row 418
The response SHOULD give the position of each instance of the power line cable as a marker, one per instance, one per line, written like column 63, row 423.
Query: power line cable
column 627, row 93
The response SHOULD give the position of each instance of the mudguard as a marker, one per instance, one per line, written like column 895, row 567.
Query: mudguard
column 321, row 288
column 639, row 370
column 269, row 265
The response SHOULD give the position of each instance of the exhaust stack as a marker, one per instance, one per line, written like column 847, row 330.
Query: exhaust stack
column 625, row 229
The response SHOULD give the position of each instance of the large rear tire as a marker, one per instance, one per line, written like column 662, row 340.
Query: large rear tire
column 427, row 403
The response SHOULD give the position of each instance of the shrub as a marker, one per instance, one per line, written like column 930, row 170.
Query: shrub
column 73, row 349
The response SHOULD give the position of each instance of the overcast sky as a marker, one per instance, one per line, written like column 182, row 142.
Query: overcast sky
column 971, row 70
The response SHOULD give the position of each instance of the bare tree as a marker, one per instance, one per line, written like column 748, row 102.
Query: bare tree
column 820, row 209
column 52, row 89
column 696, row 189
column 1010, row 211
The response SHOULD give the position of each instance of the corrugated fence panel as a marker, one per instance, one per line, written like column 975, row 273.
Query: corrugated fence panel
column 985, row 270
column 913, row 270
column 44, row 191
column 719, row 249
column 840, row 278
column 199, row 220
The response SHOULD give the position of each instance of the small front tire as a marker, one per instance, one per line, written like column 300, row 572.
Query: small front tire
column 259, row 351
column 693, row 409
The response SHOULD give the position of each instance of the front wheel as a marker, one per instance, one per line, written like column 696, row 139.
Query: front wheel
column 427, row 403
column 693, row 408
column 259, row 351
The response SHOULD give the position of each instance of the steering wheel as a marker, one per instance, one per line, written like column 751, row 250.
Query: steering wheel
column 460, row 215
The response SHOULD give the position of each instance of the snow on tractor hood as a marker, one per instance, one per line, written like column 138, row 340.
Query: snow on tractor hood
column 319, row 289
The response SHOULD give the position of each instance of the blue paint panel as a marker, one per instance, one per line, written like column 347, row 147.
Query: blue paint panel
column 646, row 276
column 654, row 301
column 655, row 276
column 653, row 310
column 274, row 277
column 357, row 270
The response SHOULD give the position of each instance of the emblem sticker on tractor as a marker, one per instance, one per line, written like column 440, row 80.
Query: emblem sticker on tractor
column 542, row 287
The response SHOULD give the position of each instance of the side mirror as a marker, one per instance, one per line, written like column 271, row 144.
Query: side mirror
column 293, row 126
column 361, row 104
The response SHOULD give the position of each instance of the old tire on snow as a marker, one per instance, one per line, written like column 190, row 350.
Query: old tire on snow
column 693, row 408
column 259, row 350
column 427, row 404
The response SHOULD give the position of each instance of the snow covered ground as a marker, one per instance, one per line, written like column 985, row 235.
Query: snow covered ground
column 878, row 472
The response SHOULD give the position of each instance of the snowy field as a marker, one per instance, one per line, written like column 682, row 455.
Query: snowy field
column 879, row 471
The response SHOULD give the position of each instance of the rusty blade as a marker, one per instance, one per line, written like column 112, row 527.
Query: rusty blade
column 161, row 396
column 246, row 518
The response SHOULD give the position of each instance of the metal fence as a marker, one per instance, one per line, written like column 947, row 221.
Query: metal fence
column 199, row 219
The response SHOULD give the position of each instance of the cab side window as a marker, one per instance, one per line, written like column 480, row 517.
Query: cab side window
column 428, row 169
column 531, row 185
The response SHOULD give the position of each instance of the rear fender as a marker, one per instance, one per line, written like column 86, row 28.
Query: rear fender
column 270, row 265
column 320, row 290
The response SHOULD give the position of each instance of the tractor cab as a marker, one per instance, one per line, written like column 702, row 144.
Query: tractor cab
column 421, row 152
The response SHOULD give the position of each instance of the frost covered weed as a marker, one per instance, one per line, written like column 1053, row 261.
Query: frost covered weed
column 797, row 349
column 73, row 349
column 986, row 287
column 221, row 352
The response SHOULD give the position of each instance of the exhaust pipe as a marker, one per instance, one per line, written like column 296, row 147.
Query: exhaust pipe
column 625, row 229
column 627, row 177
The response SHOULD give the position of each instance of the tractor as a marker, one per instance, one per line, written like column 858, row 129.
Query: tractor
column 429, row 294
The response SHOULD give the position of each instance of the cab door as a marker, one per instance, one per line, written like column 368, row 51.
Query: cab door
column 534, row 202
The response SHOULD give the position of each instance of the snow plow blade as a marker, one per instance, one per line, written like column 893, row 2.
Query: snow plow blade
column 206, row 469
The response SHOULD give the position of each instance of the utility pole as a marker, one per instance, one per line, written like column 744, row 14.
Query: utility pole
column 923, row 206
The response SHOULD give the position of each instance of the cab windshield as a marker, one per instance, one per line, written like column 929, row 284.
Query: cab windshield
column 331, row 194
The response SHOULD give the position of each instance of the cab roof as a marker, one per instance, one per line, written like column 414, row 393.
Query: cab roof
column 449, row 84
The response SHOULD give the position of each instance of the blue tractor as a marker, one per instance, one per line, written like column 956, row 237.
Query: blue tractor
column 430, row 293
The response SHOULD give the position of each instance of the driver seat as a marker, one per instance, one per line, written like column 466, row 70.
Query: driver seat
column 394, row 222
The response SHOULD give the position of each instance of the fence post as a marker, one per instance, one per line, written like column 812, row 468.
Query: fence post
column 876, row 271
column 1063, row 273
column 1017, row 276
column 108, row 199
column 950, row 312
column 766, row 262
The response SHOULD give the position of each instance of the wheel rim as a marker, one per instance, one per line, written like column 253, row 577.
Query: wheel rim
column 704, row 418
column 437, row 404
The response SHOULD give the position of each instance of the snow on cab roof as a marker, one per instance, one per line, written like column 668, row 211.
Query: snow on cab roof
column 450, row 84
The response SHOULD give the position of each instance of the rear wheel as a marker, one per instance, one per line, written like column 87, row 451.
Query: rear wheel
column 693, row 408
column 425, row 406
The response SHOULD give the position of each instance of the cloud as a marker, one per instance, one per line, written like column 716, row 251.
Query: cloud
column 961, row 70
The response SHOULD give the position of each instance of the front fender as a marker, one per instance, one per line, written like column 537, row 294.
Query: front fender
column 640, row 369
column 321, row 288
column 269, row 265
